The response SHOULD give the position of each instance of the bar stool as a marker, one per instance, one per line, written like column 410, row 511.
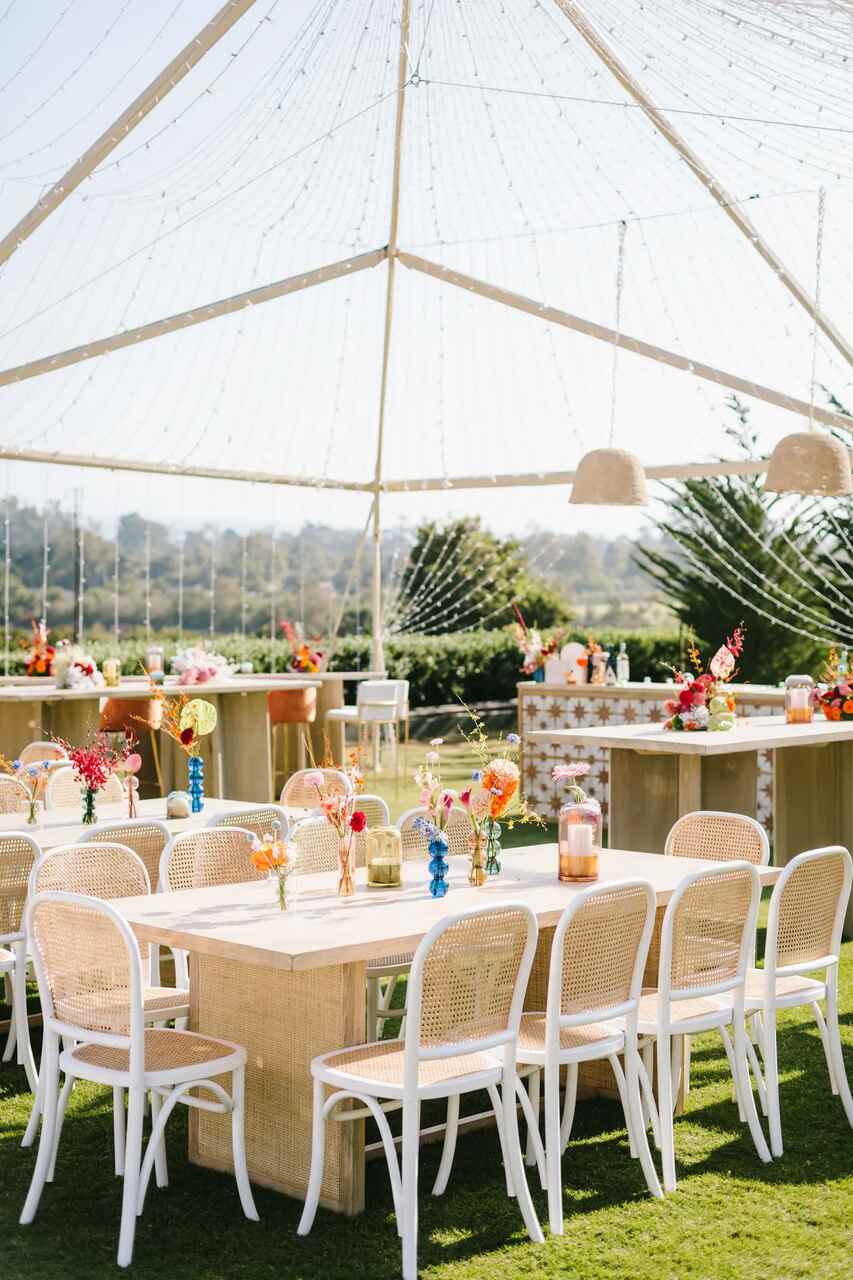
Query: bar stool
column 123, row 715
column 288, row 707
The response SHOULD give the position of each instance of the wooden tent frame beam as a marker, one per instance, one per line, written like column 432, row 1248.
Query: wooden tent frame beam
column 518, row 301
column 699, row 169
column 218, row 26
column 186, row 319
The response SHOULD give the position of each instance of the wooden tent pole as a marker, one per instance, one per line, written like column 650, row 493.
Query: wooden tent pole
column 220, row 24
column 604, row 334
column 697, row 166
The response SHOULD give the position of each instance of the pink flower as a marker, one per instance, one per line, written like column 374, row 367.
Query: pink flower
column 465, row 798
column 698, row 698
column 314, row 779
column 567, row 772
column 447, row 800
column 133, row 762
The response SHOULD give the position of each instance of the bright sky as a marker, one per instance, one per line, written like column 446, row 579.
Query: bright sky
column 520, row 159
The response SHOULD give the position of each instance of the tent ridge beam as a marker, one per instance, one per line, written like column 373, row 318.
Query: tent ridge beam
column 576, row 16
column 99, row 463
column 218, row 26
column 542, row 479
column 592, row 329
column 196, row 315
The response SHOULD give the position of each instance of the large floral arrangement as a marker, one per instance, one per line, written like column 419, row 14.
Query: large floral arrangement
column 702, row 702
column 304, row 657
column 41, row 654
column 95, row 761
column 533, row 647
column 74, row 668
column 197, row 665
column 185, row 720
column 834, row 693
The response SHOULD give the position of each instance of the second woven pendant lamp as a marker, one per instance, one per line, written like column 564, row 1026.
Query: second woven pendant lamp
column 611, row 477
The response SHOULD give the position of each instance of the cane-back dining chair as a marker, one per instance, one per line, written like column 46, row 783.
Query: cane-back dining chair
column 18, row 853
column 63, row 789
column 259, row 820
column 299, row 794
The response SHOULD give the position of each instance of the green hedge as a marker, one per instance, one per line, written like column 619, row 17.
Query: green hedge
column 470, row 666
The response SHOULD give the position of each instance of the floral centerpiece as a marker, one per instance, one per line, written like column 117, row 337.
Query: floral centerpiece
column 197, row 665
column 834, row 692
column 304, row 657
column 487, row 799
column 33, row 778
column 341, row 813
column 581, row 813
column 41, row 654
column 187, row 721
column 534, row 649
column 278, row 858
column 437, row 800
column 94, row 763
column 74, row 668
column 702, row 702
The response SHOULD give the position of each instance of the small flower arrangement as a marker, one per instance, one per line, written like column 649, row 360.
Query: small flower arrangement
column 33, row 778
column 534, row 649
column 702, row 702
column 41, row 654
column 340, row 812
column 493, row 787
column 278, row 858
column 302, row 656
column 197, row 665
column 354, row 771
column 185, row 720
column 834, row 694
column 570, row 773
column 94, row 763
column 74, row 668
column 435, row 798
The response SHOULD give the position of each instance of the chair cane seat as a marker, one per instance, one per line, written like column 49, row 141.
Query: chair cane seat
column 531, row 1034
column 109, row 1010
column 680, row 1010
column 384, row 1063
column 165, row 1051
column 7, row 959
column 390, row 963
column 789, row 985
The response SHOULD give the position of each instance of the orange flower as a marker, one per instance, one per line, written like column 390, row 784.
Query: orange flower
column 848, row 707
column 833, row 713
column 500, row 781
column 269, row 857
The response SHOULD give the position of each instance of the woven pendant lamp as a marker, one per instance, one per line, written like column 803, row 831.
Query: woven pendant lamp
column 810, row 462
column 610, row 477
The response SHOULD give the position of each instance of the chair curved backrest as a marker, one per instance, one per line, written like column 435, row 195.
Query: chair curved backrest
column 89, row 971
column 467, row 984
column 598, row 956
column 806, row 913
column 97, row 869
column 707, row 937
column 720, row 837
column 301, row 796
column 209, row 856
column 63, row 789
column 378, row 701
column 317, row 843
column 374, row 809
column 145, row 836
column 35, row 752
column 259, row 820
column 18, row 853
column 14, row 797
column 415, row 842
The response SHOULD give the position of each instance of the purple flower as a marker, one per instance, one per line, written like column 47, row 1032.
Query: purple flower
column 513, row 739
column 477, row 775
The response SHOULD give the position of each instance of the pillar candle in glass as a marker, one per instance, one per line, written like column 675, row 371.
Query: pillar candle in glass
column 154, row 658
column 579, row 840
column 799, row 708
column 384, row 855
column 112, row 672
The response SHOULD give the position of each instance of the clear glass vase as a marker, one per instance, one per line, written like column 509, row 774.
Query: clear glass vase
column 579, row 840
column 477, row 849
column 33, row 811
column 89, row 814
column 346, row 887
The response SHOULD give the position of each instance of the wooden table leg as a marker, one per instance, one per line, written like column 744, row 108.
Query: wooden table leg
column 283, row 1020
column 74, row 719
column 247, row 756
column 20, row 723
column 329, row 695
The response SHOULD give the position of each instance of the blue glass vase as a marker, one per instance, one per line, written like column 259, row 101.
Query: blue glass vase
column 539, row 675
column 195, row 769
column 438, row 885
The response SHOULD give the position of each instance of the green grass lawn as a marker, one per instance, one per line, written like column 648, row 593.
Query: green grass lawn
column 730, row 1218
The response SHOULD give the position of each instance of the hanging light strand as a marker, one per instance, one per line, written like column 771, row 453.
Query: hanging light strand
column 7, row 577
column 620, row 278
column 821, row 214
column 147, row 553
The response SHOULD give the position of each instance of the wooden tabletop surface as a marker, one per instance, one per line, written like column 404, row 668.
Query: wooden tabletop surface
column 244, row 922
column 756, row 733
column 34, row 691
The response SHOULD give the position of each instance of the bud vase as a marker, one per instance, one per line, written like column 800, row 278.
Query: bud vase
column 477, row 849
column 195, row 770
column 438, row 865
column 346, row 888
column 89, row 815
column 33, row 811
column 493, row 848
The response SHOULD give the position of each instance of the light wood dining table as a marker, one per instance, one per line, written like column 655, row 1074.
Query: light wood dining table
column 291, row 985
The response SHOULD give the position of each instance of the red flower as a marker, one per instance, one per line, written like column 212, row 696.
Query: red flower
column 358, row 821
column 187, row 736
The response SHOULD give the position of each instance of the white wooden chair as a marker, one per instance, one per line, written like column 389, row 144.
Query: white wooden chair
column 718, row 836
column 296, row 794
column 107, row 869
column 18, row 853
column 147, row 837
column 466, row 992
column 374, row 809
column 804, row 927
column 14, row 797
column 379, row 703
column 707, row 943
column 595, row 980
column 36, row 752
column 67, row 931
column 64, row 790
column 257, row 820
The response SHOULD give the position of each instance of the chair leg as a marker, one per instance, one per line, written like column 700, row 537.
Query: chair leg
column 132, row 1164
column 449, row 1149
column 621, row 1088
column 411, row 1138
column 238, row 1143
column 373, row 1031
column 19, row 1012
column 35, row 1113
column 771, row 1081
column 533, row 1093
column 834, row 1036
column 50, row 1074
column 665, row 1121
column 60, row 1120
column 635, row 1121
column 161, row 1169
column 747, row 1098
column 118, row 1130
column 569, row 1105
column 533, row 1131
column 513, row 1149
column 827, row 1051
column 318, row 1160
column 553, row 1150
column 736, row 1093
column 11, row 1038
column 497, row 1107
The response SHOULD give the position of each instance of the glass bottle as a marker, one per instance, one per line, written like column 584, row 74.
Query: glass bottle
column 384, row 857
column 623, row 665
column 579, row 839
column 799, row 703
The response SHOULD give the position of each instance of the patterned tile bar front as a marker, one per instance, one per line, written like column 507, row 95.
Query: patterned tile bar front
column 560, row 706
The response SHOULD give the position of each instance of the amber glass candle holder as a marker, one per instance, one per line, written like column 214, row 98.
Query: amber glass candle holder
column 384, row 856
column 799, row 704
column 579, row 841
